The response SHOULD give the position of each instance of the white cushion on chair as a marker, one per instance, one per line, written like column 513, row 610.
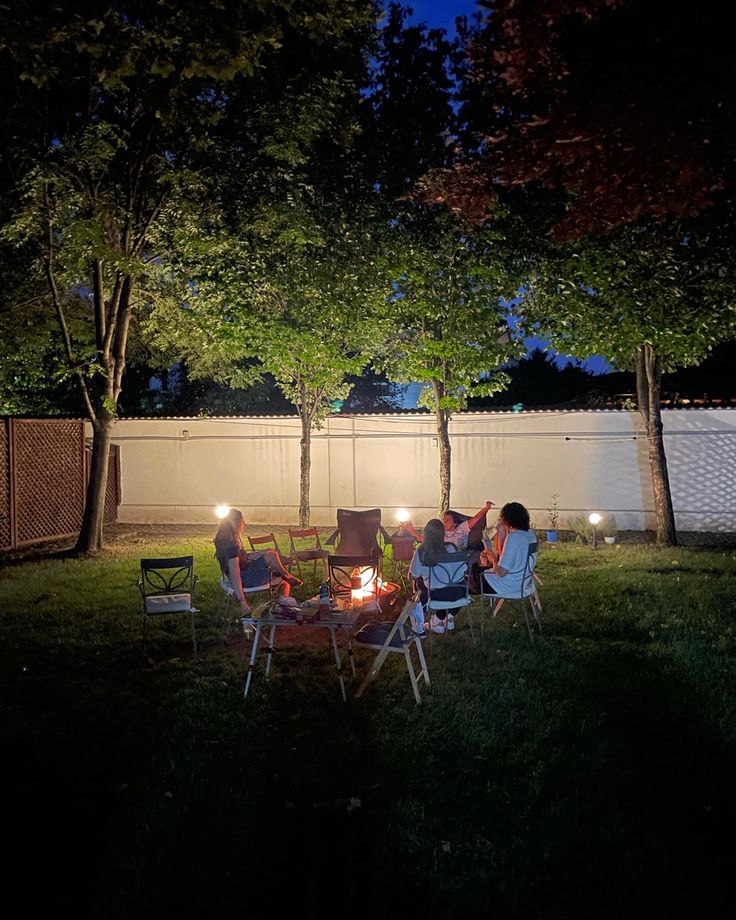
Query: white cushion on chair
column 228, row 588
column 170, row 603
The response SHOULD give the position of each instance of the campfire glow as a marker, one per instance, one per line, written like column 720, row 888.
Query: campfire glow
column 362, row 585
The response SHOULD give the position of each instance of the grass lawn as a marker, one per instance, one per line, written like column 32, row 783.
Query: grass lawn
column 590, row 774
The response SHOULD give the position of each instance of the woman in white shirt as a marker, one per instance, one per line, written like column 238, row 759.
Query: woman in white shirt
column 456, row 528
column 505, row 574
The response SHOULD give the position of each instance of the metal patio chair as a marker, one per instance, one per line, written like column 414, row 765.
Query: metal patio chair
column 167, row 588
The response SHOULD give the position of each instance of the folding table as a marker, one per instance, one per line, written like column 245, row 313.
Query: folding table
column 336, row 620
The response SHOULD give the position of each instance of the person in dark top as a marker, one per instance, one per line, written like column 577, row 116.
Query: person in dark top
column 245, row 570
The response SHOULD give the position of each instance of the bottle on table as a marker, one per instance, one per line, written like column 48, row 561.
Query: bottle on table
column 324, row 600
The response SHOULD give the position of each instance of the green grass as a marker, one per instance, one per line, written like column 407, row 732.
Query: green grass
column 590, row 774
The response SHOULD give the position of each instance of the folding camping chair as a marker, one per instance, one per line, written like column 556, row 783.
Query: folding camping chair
column 268, row 541
column 475, row 536
column 357, row 533
column 402, row 549
column 527, row 592
column 397, row 637
column 167, row 587
column 305, row 546
column 448, row 586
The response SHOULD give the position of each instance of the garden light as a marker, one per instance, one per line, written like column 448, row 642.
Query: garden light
column 595, row 520
column 402, row 516
column 222, row 511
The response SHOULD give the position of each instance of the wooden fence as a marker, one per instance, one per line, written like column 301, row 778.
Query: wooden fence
column 44, row 467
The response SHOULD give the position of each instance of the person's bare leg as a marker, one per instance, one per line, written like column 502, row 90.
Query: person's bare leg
column 273, row 560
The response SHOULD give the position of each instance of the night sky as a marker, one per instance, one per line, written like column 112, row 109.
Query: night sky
column 441, row 12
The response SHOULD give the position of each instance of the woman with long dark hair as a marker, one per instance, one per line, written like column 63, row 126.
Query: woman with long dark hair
column 434, row 549
column 246, row 570
column 505, row 573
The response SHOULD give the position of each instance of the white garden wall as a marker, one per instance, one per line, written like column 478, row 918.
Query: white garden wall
column 177, row 470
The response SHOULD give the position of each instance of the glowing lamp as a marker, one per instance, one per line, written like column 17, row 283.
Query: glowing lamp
column 402, row 515
column 595, row 520
column 222, row 511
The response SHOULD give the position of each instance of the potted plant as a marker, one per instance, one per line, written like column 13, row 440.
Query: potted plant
column 553, row 513
column 608, row 528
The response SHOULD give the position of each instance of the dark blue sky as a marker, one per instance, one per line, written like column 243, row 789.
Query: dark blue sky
column 442, row 13
column 439, row 13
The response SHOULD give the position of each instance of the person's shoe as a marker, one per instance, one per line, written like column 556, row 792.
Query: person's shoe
column 417, row 619
column 450, row 622
column 436, row 624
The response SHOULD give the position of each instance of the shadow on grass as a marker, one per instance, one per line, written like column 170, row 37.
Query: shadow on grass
column 556, row 780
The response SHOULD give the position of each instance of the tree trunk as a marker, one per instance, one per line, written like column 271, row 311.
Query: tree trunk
column 305, row 465
column 648, row 385
column 443, row 442
column 90, row 536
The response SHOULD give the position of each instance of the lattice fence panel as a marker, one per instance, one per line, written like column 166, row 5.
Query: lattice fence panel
column 5, row 510
column 112, row 493
column 49, row 477
column 112, row 490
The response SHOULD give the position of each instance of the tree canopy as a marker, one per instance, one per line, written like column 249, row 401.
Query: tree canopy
column 627, row 105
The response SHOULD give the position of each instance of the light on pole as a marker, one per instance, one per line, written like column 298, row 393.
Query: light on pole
column 595, row 520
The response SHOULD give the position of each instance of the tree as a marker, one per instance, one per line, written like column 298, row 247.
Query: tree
column 537, row 380
column 627, row 105
column 304, row 310
column 111, row 115
column 411, row 104
column 626, row 111
column 645, row 302
column 285, row 270
column 449, row 328
column 444, row 308
column 371, row 392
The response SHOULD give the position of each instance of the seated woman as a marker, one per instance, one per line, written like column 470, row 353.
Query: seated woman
column 505, row 574
column 432, row 551
column 457, row 528
column 246, row 570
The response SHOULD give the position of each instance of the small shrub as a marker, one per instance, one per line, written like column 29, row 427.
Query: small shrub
column 582, row 528
column 608, row 527
column 553, row 512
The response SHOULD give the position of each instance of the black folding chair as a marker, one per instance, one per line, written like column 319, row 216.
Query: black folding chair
column 167, row 587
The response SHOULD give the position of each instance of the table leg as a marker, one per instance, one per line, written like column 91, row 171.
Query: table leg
column 338, row 662
column 351, row 657
column 270, row 650
column 251, row 661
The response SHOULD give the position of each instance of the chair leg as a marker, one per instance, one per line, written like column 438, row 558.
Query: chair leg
column 410, row 665
column 536, row 609
column 422, row 660
column 194, row 636
column 526, row 618
column 469, row 608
